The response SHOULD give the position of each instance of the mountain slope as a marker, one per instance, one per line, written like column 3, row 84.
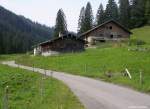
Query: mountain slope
column 142, row 33
column 18, row 34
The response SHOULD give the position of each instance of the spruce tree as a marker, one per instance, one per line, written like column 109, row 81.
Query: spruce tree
column 1, row 43
column 81, row 21
column 61, row 25
column 111, row 10
column 100, row 16
column 88, row 20
column 147, row 11
column 124, row 13
column 137, row 13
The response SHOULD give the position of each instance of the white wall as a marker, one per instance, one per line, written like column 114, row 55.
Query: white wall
column 49, row 53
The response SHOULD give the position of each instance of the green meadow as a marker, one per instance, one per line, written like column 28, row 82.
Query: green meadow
column 142, row 34
column 21, row 89
column 106, row 60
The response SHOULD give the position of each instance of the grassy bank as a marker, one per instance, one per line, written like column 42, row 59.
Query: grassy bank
column 28, row 90
column 142, row 33
column 96, row 63
column 9, row 57
column 106, row 58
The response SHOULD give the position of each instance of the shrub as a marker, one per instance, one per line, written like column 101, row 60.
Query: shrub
column 136, row 42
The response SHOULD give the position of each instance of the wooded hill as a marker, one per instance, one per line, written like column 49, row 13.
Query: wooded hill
column 18, row 34
column 129, row 13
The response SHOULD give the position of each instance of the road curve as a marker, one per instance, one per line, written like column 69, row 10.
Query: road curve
column 95, row 94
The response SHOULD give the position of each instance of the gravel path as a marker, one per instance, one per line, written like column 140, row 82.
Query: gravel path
column 96, row 94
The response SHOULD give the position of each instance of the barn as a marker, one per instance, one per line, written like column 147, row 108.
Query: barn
column 63, row 44
column 108, row 31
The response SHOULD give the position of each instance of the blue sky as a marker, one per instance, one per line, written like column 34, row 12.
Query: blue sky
column 44, row 11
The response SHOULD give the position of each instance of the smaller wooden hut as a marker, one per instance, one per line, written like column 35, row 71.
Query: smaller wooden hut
column 63, row 44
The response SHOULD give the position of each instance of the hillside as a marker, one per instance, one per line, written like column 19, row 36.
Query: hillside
column 18, row 34
column 109, row 58
column 142, row 33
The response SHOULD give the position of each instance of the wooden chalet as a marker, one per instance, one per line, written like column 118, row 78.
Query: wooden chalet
column 108, row 31
column 63, row 44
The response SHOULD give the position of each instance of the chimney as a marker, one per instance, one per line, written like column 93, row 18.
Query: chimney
column 60, row 34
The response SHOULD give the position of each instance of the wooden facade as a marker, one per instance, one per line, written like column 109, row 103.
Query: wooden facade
column 65, row 44
column 108, row 31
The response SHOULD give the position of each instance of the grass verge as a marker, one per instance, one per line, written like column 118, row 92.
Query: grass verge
column 28, row 90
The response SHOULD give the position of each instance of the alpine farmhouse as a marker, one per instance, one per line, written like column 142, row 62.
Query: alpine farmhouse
column 108, row 31
column 69, row 43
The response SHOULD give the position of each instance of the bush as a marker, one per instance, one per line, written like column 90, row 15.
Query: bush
column 140, row 42
column 136, row 42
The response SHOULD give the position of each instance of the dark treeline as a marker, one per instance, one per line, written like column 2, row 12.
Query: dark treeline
column 18, row 34
column 130, row 13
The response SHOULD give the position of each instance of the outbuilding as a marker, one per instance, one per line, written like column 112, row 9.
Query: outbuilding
column 68, row 43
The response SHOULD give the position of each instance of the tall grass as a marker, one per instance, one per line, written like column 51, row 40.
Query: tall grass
column 25, row 87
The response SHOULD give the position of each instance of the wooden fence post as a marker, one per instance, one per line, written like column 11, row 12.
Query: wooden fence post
column 61, row 107
column 51, row 73
column 33, row 67
column 45, row 73
column 85, row 68
column 6, row 98
column 41, row 89
column 141, row 78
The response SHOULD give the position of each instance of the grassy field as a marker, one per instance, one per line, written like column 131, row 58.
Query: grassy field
column 96, row 62
column 142, row 34
column 29, row 90
column 109, row 58
column 9, row 57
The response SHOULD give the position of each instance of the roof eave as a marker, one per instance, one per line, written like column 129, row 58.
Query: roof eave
column 104, row 24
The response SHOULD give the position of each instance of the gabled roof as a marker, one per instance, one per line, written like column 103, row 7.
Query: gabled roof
column 71, row 36
column 121, row 26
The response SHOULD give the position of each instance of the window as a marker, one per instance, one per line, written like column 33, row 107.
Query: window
column 111, row 36
column 119, row 36
column 101, row 35
column 110, row 27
